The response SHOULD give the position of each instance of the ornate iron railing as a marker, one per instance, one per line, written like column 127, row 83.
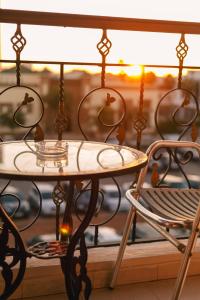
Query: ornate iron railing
column 185, row 98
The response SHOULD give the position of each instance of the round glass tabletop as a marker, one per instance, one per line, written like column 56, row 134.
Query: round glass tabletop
column 65, row 159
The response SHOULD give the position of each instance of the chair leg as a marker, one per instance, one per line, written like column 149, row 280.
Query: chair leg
column 122, row 247
column 185, row 265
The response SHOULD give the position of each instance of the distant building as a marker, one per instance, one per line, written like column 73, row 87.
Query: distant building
column 129, row 89
column 90, row 112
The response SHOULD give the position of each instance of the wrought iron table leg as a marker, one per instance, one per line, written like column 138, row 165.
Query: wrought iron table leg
column 17, row 253
column 74, row 278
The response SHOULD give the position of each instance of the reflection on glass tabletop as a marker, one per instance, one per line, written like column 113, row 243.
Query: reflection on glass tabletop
column 51, row 159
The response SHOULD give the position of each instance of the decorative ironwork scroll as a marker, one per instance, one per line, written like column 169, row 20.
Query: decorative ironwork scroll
column 22, row 98
column 108, row 118
column 182, row 106
column 61, row 122
column 110, row 97
column 58, row 198
column 104, row 48
column 140, row 122
column 18, row 42
column 12, row 249
column 104, row 95
column 181, row 50
column 10, row 256
column 30, row 95
column 86, row 188
column 26, row 99
column 74, row 267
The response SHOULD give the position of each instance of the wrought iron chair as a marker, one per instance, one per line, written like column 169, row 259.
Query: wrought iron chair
column 165, row 208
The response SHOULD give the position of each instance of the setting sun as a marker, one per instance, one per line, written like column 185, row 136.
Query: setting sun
column 132, row 70
column 135, row 70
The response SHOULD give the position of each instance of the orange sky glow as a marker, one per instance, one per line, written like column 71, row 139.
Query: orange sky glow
column 77, row 44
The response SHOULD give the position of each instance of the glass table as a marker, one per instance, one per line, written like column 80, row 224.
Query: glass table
column 59, row 161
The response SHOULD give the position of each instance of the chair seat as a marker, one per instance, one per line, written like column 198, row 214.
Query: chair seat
column 173, row 206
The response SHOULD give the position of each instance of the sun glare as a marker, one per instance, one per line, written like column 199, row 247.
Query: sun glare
column 134, row 71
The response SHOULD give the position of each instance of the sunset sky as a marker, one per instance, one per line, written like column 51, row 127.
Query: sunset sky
column 75, row 44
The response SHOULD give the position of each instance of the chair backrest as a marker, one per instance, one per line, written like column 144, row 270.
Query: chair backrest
column 171, row 147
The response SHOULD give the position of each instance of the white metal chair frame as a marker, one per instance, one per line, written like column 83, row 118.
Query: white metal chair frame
column 158, row 222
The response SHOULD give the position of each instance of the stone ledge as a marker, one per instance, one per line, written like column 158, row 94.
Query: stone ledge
column 142, row 262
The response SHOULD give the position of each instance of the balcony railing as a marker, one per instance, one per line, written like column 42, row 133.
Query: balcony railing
column 177, row 108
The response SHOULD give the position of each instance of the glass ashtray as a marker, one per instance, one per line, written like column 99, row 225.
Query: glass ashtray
column 52, row 154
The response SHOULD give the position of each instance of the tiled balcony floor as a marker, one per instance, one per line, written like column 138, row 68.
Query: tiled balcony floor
column 155, row 290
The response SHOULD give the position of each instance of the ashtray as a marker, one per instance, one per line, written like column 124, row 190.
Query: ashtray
column 52, row 154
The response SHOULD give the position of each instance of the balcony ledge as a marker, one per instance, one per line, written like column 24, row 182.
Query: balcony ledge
column 141, row 263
